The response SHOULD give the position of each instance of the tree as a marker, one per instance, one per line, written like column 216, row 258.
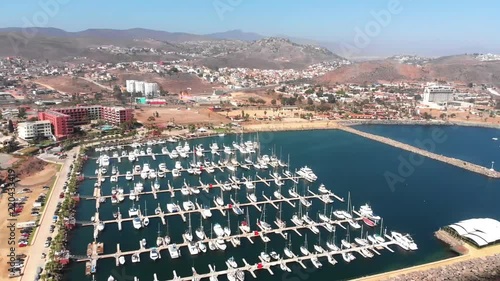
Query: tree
column 192, row 128
column 442, row 116
column 310, row 101
column 10, row 126
column 273, row 102
column 98, row 96
column 151, row 118
column 22, row 113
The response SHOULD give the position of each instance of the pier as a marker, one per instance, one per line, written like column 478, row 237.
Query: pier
column 452, row 161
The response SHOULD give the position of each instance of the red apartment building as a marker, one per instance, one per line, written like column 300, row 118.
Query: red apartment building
column 61, row 123
column 63, row 120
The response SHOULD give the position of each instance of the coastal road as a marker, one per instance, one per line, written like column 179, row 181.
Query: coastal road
column 43, row 231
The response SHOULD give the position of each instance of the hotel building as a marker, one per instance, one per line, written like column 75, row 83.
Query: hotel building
column 32, row 130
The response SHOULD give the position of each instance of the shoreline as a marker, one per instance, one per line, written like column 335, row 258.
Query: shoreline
column 418, row 122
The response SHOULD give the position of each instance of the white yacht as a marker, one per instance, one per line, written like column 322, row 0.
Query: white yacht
column 137, row 223
column 173, row 154
column 136, row 258
column 219, row 231
column 154, row 254
column 176, row 173
column 129, row 176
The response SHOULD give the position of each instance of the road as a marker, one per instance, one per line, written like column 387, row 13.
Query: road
column 43, row 231
column 98, row 84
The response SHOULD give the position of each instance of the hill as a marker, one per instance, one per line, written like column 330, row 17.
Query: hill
column 461, row 68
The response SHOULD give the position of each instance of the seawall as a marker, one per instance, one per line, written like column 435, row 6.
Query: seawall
column 452, row 161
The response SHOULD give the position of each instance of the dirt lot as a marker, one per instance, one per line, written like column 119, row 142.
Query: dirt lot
column 172, row 84
column 242, row 97
column 179, row 116
column 35, row 182
column 461, row 116
column 68, row 85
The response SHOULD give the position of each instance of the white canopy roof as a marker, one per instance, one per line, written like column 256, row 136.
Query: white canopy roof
column 482, row 231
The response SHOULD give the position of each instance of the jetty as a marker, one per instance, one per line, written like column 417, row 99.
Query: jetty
column 452, row 161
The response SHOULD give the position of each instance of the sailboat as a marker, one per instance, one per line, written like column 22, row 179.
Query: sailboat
column 317, row 247
column 145, row 222
column 297, row 217
column 279, row 222
column 211, row 244
column 188, row 235
column 227, row 229
column 379, row 237
column 159, row 239
column 264, row 255
column 200, row 233
column 244, row 225
column 303, row 248
column 288, row 249
column 264, row 226
column 166, row 239
column 332, row 244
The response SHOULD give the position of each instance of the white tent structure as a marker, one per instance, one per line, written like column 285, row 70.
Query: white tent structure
column 481, row 232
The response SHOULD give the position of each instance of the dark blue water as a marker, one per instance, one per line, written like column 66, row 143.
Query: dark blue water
column 472, row 144
column 431, row 196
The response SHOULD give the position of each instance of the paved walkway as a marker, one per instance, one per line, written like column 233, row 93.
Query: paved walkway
column 43, row 231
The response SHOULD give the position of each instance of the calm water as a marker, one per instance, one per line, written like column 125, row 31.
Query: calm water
column 434, row 195
column 473, row 144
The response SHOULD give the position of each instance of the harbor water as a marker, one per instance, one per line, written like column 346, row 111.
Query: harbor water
column 473, row 144
column 431, row 196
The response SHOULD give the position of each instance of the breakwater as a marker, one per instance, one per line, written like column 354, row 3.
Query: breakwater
column 418, row 122
column 452, row 161
column 486, row 268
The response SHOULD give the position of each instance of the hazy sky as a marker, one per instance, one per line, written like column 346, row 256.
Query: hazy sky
column 421, row 24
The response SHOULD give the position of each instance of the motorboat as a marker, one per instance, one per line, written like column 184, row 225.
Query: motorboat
column 154, row 254
column 121, row 260
column 200, row 233
column 173, row 154
column 274, row 255
column 137, row 223
column 231, row 263
column 193, row 248
column 129, row 176
column 175, row 173
column 237, row 275
column 366, row 211
column 201, row 246
column 143, row 242
column 136, row 258
column 265, row 256
column 218, row 230
column 345, row 244
column 316, row 262
column 173, row 208
column 322, row 189
column 252, row 197
column 220, row 244
column 178, row 165
column 188, row 205
column 331, row 260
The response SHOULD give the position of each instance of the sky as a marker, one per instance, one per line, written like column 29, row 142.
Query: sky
column 393, row 25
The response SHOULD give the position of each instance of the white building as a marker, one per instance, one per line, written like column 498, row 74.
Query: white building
column 438, row 94
column 32, row 130
column 130, row 86
column 150, row 89
column 139, row 87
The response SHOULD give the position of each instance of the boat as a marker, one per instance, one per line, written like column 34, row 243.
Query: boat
column 121, row 260
column 307, row 174
column 367, row 212
column 154, row 254
column 274, row 255
column 145, row 222
column 158, row 210
column 136, row 258
column 143, row 243
column 369, row 222
column 133, row 211
column 200, row 233
column 159, row 239
column 156, row 185
column 188, row 236
column 287, row 250
column 303, row 248
column 237, row 275
column 173, row 208
column 265, row 256
column 322, row 189
column 231, row 263
column 188, row 205
column 173, row 154
column 137, row 223
column 252, row 197
column 193, row 248
column 219, row 231
column 111, row 278
column 227, row 229
column 220, row 244
column 129, row 176
column 245, row 228
column 317, row 247
column 316, row 263
column 174, row 251
column 202, row 247
column 264, row 226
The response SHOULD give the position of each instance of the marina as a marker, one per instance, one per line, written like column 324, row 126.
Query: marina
column 232, row 192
